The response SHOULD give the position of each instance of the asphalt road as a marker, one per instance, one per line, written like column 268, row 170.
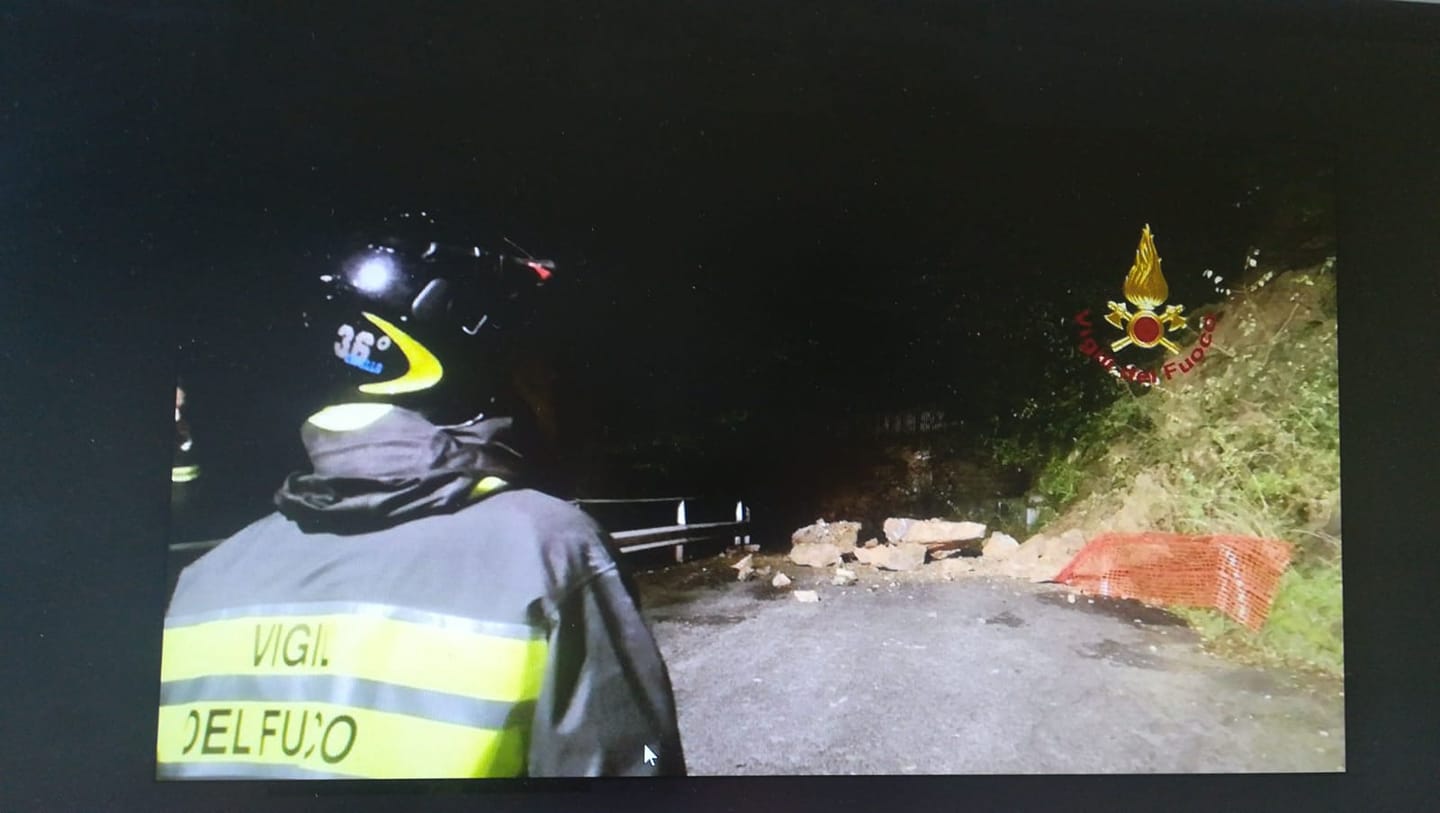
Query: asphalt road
column 972, row 677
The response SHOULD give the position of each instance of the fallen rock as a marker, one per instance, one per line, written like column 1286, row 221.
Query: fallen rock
column 999, row 545
column 1029, row 561
column 840, row 534
column 901, row 529
column 1041, row 546
column 1046, row 545
column 895, row 528
column 844, row 577
column 935, row 534
column 815, row 555
column 744, row 568
column 1042, row 556
column 1032, row 548
column 872, row 542
column 905, row 556
column 807, row 596
column 869, row 555
column 780, row 580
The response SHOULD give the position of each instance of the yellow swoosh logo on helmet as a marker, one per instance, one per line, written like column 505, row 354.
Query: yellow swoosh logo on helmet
column 425, row 370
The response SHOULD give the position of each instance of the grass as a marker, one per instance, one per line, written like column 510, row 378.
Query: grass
column 1304, row 627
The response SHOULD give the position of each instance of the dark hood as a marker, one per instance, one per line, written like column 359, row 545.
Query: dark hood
column 396, row 469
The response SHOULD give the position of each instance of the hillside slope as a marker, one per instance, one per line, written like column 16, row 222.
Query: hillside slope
column 1247, row 443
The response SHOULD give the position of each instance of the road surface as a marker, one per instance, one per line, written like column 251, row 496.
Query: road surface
column 970, row 677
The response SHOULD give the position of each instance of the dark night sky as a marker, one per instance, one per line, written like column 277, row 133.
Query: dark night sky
column 801, row 211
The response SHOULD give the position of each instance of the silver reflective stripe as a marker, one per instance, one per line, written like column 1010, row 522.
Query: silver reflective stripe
column 348, row 691
column 241, row 770
column 522, row 632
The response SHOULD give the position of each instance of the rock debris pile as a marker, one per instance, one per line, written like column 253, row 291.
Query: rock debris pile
column 921, row 549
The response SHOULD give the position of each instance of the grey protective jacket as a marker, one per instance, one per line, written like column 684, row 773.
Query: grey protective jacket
column 400, row 599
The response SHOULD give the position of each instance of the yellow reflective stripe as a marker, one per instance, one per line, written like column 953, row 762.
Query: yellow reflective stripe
column 184, row 474
column 425, row 370
column 458, row 661
column 334, row 739
column 486, row 486
column 348, row 691
column 349, row 417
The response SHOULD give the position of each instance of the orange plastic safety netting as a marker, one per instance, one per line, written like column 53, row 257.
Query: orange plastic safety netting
column 1237, row 575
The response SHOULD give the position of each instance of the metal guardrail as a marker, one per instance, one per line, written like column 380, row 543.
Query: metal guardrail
column 634, row 540
column 630, row 540
column 183, row 547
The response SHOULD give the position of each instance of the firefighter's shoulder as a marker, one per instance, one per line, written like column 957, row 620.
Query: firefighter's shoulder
column 572, row 545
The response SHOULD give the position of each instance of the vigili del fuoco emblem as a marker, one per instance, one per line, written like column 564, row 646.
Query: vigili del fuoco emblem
column 1145, row 288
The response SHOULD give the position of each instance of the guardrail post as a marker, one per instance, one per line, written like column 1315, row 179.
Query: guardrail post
column 680, row 520
column 742, row 514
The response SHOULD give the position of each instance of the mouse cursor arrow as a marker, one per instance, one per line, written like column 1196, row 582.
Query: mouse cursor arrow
column 649, row 756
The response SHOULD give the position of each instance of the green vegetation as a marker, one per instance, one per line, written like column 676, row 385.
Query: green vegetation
column 1304, row 627
column 1247, row 444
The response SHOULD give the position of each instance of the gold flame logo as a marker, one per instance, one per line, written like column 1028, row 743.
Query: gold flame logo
column 1145, row 288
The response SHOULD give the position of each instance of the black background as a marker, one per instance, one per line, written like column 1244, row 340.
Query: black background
column 758, row 202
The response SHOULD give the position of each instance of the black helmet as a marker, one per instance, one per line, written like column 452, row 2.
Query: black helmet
column 407, row 315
